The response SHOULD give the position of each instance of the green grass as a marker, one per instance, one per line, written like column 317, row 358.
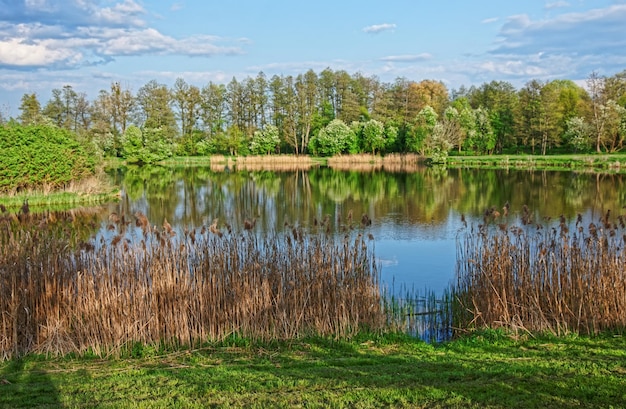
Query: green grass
column 56, row 200
column 487, row 370
column 604, row 162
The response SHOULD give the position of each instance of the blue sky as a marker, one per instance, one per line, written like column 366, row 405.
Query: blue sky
column 88, row 44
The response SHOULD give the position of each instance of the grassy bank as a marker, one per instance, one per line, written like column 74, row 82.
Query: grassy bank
column 488, row 370
column 412, row 162
column 596, row 162
column 86, row 192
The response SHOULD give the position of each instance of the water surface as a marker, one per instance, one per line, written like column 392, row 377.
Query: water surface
column 415, row 216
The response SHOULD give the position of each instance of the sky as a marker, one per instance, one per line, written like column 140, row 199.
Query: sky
column 88, row 44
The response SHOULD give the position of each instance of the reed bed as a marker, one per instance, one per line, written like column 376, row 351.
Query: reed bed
column 156, row 286
column 394, row 162
column 558, row 279
column 342, row 160
column 220, row 163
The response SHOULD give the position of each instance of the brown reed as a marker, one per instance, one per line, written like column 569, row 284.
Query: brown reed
column 262, row 162
column 59, row 294
column 400, row 163
column 539, row 278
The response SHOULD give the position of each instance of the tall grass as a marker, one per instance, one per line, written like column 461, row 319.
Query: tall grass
column 558, row 279
column 59, row 294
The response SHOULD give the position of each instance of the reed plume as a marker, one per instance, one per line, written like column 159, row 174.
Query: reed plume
column 59, row 295
column 542, row 279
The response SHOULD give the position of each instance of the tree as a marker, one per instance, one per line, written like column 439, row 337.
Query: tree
column 614, row 126
column 608, row 116
column 188, row 101
column 429, row 93
column 307, row 101
column 157, row 117
column 265, row 141
column 530, row 115
column 54, row 109
column 121, row 104
column 31, row 110
column 483, row 139
column 259, row 100
column 346, row 99
column 499, row 99
column 145, row 147
column 373, row 136
column 465, row 118
column 450, row 129
column 333, row 139
column 596, row 86
column 437, row 144
column 577, row 134
column 213, row 109
column 234, row 140
column 421, row 129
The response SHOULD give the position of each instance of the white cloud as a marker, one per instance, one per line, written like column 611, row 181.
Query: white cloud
column 556, row 5
column 569, row 43
column 377, row 28
column 490, row 20
column 40, row 33
column 15, row 52
column 126, row 13
column 407, row 57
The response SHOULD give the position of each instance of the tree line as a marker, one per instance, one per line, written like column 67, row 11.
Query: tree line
column 333, row 112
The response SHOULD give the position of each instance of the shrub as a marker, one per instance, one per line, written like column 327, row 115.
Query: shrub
column 41, row 155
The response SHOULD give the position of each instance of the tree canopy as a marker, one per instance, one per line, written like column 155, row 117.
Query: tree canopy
column 334, row 112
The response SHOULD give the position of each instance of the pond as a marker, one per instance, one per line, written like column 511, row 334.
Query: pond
column 413, row 217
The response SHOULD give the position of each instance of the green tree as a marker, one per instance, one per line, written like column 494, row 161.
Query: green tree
column 156, row 116
column 30, row 110
column 235, row 140
column 421, row 129
column 187, row 99
column 482, row 139
column 373, row 136
column 596, row 85
column 437, row 145
column 577, row 134
column 333, row 139
column 465, row 119
column 156, row 113
column 214, row 109
column 307, row 101
column 265, row 141
column 499, row 99
column 145, row 147
column 55, row 109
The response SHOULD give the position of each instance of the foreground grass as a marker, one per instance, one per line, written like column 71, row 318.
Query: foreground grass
column 488, row 370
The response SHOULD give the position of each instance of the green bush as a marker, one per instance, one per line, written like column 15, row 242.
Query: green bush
column 41, row 155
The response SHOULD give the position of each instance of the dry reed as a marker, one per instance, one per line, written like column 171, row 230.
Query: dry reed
column 59, row 294
column 537, row 278
column 365, row 163
column 262, row 162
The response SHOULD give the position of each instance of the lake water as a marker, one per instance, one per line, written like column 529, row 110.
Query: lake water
column 415, row 216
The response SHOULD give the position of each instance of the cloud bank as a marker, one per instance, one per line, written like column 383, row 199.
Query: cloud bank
column 59, row 34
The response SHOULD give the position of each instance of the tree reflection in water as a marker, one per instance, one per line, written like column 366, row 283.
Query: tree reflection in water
column 415, row 216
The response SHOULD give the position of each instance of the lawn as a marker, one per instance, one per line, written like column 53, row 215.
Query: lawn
column 485, row 370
